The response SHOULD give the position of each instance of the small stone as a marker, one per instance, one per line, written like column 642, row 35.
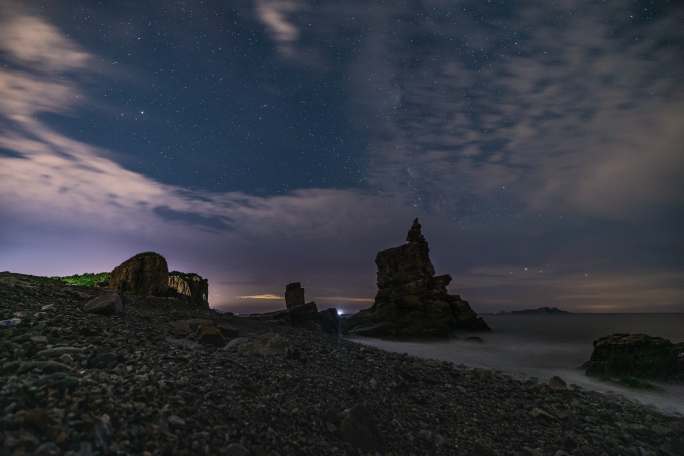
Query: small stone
column 36, row 418
column 538, row 412
column 557, row 383
column 48, row 449
column 39, row 339
column 105, row 360
column 210, row 335
column 235, row 449
column 103, row 432
column 48, row 307
column 358, row 428
column 176, row 421
column 233, row 344
column 66, row 359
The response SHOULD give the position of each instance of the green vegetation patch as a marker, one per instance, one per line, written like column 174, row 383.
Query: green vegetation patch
column 88, row 279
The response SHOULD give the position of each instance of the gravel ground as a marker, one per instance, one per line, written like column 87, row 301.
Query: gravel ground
column 77, row 383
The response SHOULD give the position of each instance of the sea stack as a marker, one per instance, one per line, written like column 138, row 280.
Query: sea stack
column 411, row 300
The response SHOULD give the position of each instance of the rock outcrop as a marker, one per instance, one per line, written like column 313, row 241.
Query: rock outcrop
column 411, row 301
column 193, row 287
column 301, row 313
column 636, row 355
column 145, row 274
column 294, row 295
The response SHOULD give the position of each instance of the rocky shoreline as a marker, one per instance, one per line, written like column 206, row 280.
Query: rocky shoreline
column 82, row 383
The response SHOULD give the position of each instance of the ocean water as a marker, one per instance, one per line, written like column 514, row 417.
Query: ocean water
column 546, row 345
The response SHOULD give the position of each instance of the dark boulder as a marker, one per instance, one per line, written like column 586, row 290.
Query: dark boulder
column 329, row 321
column 301, row 313
column 636, row 355
column 411, row 301
column 144, row 274
column 192, row 287
column 107, row 304
column 294, row 295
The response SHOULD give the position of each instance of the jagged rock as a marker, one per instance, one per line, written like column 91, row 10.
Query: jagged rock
column 411, row 301
column 636, row 355
column 302, row 313
column 144, row 274
column 107, row 304
column 294, row 295
column 191, row 286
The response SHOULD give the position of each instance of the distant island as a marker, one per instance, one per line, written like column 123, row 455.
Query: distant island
column 537, row 311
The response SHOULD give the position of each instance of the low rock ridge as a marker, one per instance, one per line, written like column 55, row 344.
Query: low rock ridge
column 411, row 300
column 637, row 355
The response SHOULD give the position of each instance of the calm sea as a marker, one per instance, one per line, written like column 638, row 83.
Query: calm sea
column 545, row 345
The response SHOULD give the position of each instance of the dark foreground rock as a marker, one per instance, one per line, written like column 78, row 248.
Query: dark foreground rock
column 140, row 382
column 637, row 355
column 412, row 301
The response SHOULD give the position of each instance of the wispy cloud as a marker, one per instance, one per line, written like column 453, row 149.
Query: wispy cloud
column 275, row 15
column 32, row 41
column 263, row 297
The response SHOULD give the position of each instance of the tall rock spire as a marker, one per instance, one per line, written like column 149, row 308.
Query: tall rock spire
column 415, row 234
column 412, row 301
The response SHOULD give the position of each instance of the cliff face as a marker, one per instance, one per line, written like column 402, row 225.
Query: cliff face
column 144, row 274
column 192, row 286
column 411, row 300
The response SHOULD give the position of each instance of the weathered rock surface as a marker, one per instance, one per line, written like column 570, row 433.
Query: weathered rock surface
column 636, row 355
column 193, row 287
column 144, row 274
column 107, row 304
column 411, row 301
column 76, row 383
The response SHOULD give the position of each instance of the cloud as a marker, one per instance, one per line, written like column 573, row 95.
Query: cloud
column 29, row 40
column 264, row 297
column 573, row 115
column 275, row 15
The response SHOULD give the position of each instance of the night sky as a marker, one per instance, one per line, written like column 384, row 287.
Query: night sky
column 268, row 141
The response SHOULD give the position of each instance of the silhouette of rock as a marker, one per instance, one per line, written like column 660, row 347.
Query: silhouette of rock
column 144, row 274
column 411, row 301
column 302, row 313
column 636, row 355
column 294, row 295
column 192, row 286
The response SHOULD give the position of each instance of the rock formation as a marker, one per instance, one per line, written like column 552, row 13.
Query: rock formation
column 193, row 287
column 294, row 295
column 144, row 274
column 302, row 313
column 636, row 355
column 411, row 301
